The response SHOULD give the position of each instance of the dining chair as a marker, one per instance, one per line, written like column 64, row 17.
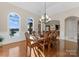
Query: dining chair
column 35, row 35
column 45, row 42
column 53, row 39
column 30, row 43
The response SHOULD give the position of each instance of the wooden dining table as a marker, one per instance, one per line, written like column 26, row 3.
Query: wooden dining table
column 35, row 40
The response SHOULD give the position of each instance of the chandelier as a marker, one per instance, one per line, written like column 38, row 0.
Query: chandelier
column 45, row 18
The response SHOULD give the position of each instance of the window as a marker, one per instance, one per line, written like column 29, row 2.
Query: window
column 30, row 25
column 14, row 23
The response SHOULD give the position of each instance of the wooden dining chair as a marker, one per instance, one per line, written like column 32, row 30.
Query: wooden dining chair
column 30, row 43
column 53, row 39
column 36, row 36
column 44, row 42
column 38, row 44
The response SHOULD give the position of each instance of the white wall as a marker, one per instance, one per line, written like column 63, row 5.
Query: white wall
column 62, row 16
column 8, row 40
column 24, row 14
column 4, row 11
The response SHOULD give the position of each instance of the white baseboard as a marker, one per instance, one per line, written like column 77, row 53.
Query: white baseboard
column 72, row 40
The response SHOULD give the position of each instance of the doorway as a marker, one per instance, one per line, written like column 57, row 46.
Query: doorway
column 54, row 25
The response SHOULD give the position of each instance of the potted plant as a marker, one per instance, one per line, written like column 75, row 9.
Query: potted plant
column 1, row 39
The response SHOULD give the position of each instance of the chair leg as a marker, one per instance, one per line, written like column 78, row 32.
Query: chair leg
column 30, row 52
column 48, row 49
column 43, row 49
column 26, row 50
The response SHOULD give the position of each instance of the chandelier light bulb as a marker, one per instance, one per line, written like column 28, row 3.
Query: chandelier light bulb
column 47, row 17
column 42, row 17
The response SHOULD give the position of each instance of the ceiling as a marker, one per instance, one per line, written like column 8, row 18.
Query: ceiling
column 52, row 8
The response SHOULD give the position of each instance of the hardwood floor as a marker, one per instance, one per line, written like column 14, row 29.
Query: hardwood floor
column 19, row 50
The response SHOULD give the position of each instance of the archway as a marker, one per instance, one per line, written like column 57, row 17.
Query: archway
column 71, row 33
column 54, row 25
column 71, row 27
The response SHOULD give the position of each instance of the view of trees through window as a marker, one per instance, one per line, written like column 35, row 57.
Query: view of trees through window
column 14, row 23
column 30, row 25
